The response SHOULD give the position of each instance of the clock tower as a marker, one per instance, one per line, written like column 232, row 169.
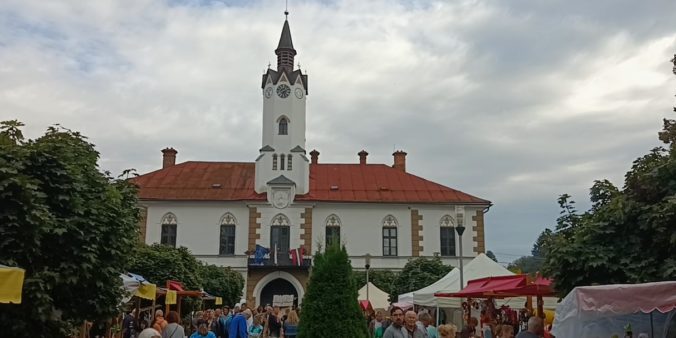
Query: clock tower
column 282, row 168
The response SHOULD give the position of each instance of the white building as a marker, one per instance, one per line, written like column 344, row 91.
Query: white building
column 284, row 200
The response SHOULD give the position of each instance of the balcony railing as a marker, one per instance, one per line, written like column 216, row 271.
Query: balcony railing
column 281, row 261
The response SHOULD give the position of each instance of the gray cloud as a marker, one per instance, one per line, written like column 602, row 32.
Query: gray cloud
column 516, row 102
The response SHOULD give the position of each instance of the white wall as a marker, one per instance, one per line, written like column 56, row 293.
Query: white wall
column 361, row 229
column 198, row 224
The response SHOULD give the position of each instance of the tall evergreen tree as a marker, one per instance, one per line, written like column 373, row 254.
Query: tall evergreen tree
column 330, row 307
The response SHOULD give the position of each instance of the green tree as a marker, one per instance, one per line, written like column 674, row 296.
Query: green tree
column 68, row 224
column 526, row 264
column 159, row 263
column 223, row 282
column 491, row 255
column 419, row 273
column 628, row 235
column 330, row 306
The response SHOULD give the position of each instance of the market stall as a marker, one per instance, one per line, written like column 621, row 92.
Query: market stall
column 606, row 310
column 490, row 289
column 378, row 298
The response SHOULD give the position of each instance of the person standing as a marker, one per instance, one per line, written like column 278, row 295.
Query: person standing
column 129, row 325
column 395, row 330
column 159, row 323
column 470, row 329
column 173, row 329
column 238, row 327
column 203, row 330
column 376, row 326
column 447, row 331
column 426, row 319
column 505, row 331
column 291, row 325
column 256, row 329
column 411, row 326
column 274, row 325
column 535, row 328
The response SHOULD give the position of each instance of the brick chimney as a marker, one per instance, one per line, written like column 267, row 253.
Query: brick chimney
column 399, row 160
column 362, row 156
column 168, row 157
column 314, row 156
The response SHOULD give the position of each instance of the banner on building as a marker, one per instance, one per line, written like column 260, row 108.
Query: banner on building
column 283, row 300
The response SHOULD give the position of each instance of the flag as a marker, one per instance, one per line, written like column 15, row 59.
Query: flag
column 259, row 254
column 171, row 297
column 294, row 256
column 175, row 285
column 147, row 291
column 275, row 253
column 219, row 300
column 11, row 284
column 297, row 256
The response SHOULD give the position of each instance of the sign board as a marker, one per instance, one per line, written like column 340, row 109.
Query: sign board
column 283, row 300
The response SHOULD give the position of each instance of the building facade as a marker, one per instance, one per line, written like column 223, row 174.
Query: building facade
column 266, row 218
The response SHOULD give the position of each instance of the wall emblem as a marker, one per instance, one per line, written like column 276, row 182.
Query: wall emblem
column 280, row 199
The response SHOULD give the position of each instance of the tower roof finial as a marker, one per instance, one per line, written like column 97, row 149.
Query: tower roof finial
column 286, row 10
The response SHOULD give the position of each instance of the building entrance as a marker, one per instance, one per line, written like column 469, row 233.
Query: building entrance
column 278, row 287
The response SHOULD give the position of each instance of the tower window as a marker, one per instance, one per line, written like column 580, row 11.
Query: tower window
column 289, row 162
column 283, row 127
column 274, row 162
column 281, row 162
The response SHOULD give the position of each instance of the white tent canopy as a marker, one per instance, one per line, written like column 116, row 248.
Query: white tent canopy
column 480, row 267
column 377, row 297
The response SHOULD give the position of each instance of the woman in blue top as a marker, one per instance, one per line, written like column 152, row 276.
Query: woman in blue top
column 203, row 330
column 291, row 325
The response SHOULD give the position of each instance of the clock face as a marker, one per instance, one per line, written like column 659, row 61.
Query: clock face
column 299, row 93
column 268, row 92
column 283, row 91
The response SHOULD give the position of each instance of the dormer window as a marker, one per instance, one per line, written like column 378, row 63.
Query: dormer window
column 283, row 126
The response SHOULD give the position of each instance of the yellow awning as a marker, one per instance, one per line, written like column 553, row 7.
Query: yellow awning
column 11, row 284
column 147, row 291
column 171, row 297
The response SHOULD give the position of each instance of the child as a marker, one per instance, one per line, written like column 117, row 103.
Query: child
column 256, row 329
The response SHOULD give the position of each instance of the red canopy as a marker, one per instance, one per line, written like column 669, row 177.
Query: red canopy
column 503, row 286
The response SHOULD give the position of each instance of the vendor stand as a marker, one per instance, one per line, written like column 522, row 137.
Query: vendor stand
column 491, row 288
column 606, row 310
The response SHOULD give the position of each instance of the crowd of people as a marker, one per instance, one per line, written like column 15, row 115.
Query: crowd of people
column 409, row 324
column 239, row 322
column 273, row 322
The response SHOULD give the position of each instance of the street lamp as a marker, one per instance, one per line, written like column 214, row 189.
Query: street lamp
column 367, row 265
column 460, row 229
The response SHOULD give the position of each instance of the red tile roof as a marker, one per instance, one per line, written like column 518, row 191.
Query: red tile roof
column 195, row 181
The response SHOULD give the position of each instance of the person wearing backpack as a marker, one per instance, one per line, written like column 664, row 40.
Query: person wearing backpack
column 173, row 329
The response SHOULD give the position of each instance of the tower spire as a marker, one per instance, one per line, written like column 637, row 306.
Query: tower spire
column 285, row 51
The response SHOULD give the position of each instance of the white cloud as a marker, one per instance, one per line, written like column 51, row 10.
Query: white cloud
column 516, row 102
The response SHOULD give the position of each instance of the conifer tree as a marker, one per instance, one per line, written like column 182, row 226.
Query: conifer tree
column 330, row 307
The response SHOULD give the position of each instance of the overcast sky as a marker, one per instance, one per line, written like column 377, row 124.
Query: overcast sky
column 513, row 101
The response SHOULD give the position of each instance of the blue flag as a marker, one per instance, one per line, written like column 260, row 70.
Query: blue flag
column 259, row 254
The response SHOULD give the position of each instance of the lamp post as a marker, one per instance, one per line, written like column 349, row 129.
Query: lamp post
column 461, row 229
column 367, row 265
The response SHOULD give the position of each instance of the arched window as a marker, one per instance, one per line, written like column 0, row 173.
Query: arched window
column 390, row 236
column 332, row 230
column 447, row 235
column 227, row 243
column 280, row 239
column 281, row 162
column 283, row 126
column 274, row 161
column 289, row 162
column 169, row 225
